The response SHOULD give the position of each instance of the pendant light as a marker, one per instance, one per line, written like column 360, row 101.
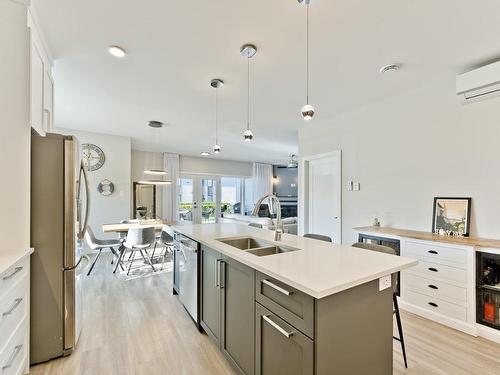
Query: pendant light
column 248, row 51
column 155, row 125
column 216, row 83
column 307, row 110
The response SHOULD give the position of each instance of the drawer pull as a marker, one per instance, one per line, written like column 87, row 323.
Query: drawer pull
column 12, row 357
column 17, row 301
column 432, row 286
column 16, row 270
column 433, row 304
column 432, row 269
column 276, row 287
column 277, row 327
column 433, row 252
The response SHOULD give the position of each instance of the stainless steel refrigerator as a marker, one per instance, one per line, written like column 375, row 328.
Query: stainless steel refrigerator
column 59, row 212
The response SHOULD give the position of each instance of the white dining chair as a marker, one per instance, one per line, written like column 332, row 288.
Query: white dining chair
column 99, row 245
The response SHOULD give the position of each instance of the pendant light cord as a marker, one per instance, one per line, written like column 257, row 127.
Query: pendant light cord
column 216, row 114
column 307, row 54
column 248, row 92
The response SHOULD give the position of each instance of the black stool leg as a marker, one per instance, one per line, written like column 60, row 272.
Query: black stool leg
column 94, row 262
column 400, row 328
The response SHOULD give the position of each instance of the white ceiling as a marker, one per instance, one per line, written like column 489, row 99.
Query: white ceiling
column 176, row 46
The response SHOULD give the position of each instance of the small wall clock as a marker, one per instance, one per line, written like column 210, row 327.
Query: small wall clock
column 93, row 157
column 106, row 187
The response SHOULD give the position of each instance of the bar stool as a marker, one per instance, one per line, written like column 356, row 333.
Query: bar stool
column 394, row 281
column 139, row 239
column 96, row 244
column 318, row 237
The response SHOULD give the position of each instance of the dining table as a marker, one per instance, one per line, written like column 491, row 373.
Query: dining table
column 124, row 227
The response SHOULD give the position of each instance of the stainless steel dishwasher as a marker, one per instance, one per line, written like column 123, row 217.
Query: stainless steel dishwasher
column 186, row 273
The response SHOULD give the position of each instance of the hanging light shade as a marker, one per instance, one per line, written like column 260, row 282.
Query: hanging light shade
column 216, row 83
column 307, row 110
column 248, row 51
column 155, row 125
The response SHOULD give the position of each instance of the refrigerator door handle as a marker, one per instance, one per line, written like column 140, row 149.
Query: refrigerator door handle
column 83, row 227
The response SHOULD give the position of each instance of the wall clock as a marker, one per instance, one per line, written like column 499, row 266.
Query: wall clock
column 93, row 157
column 106, row 187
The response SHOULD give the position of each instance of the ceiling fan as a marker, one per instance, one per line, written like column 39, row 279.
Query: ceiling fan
column 292, row 162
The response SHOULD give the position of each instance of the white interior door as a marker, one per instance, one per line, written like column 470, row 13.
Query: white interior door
column 324, row 198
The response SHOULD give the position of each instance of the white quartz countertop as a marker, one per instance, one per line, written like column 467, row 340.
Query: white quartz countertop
column 9, row 257
column 319, row 268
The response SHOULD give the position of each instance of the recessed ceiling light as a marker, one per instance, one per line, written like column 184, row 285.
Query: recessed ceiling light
column 390, row 68
column 117, row 51
column 205, row 153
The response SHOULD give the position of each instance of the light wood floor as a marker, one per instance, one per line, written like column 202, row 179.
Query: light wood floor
column 139, row 327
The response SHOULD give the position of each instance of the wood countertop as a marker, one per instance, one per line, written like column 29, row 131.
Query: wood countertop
column 427, row 236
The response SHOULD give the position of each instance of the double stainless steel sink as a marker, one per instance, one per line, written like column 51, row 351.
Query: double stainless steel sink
column 256, row 246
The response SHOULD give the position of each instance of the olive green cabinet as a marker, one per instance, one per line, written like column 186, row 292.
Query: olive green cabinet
column 228, row 307
column 279, row 347
column 210, row 311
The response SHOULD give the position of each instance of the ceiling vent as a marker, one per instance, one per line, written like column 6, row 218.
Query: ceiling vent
column 479, row 84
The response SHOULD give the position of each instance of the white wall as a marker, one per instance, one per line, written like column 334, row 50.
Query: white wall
column 15, row 129
column 410, row 148
column 214, row 166
column 117, row 169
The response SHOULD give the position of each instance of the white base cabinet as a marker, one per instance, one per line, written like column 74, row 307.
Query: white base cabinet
column 14, row 318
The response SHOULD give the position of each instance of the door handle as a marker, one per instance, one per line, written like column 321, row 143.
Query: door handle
column 277, row 327
column 217, row 273
column 432, row 269
column 276, row 287
column 433, row 252
column 433, row 287
column 222, row 274
column 12, row 357
column 433, row 304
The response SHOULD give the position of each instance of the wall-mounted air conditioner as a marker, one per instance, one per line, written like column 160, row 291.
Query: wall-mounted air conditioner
column 479, row 84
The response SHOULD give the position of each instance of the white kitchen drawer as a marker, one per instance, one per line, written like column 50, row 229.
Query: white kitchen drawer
column 12, row 275
column 435, row 288
column 13, row 309
column 13, row 356
column 455, row 257
column 441, row 272
column 436, row 305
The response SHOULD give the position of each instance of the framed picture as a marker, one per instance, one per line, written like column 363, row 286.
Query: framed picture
column 451, row 215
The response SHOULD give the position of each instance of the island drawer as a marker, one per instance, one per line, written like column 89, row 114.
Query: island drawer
column 440, row 272
column 12, row 275
column 290, row 304
column 436, row 305
column 456, row 257
column 434, row 288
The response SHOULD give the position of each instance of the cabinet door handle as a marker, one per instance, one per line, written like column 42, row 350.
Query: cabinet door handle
column 433, row 252
column 276, row 326
column 432, row 269
column 16, row 270
column 12, row 357
column 433, row 304
column 217, row 273
column 276, row 287
column 16, row 303
column 222, row 274
column 432, row 286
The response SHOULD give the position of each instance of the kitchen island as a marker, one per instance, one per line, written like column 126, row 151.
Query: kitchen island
column 298, row 306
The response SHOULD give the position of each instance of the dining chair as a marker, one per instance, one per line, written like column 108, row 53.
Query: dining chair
column 394, row 283
column 99, row 245
column 166, row 240
column 320, row 237
column 138, row 240
column 255, row 225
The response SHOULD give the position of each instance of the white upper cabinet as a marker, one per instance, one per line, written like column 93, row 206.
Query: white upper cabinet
column 41, row 82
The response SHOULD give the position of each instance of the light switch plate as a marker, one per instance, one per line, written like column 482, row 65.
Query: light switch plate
column 384, row 282
column 349, row 185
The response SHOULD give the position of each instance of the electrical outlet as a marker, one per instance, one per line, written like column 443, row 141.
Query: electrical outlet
column 356, row 186
column 384, row 282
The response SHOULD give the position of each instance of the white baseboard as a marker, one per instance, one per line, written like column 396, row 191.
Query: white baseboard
column 459, row 325
column 489, row 333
